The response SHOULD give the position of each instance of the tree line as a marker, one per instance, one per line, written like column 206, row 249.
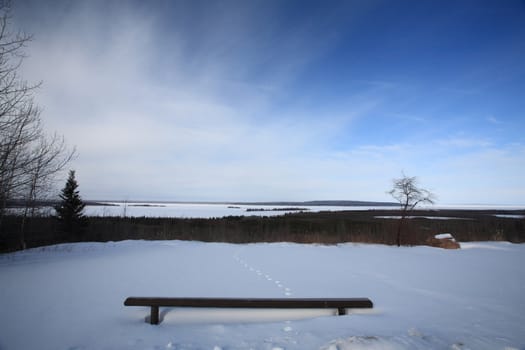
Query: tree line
column 370, row 226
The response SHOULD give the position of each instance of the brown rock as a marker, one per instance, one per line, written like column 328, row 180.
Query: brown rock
column 443, row 241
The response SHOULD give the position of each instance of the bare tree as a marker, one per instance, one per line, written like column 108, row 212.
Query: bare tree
column 28, row 158
column 19, row 122
column 49, row 156
column 409, row 195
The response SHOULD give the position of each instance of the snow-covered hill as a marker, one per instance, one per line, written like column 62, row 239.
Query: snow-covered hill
column 71, row 296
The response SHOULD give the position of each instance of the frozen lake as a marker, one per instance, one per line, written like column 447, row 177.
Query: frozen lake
column 218, row 210
column 206, row 210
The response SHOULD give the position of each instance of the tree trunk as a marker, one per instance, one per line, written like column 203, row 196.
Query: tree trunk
column 398, row 237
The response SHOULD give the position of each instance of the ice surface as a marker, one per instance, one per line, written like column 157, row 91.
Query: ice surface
column 70, row 296
column 397, row 217
column 510, row 216
column 205, row 210
column 218, row 210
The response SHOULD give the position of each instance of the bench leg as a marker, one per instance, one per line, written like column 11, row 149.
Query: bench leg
column 154, row 316
column 341, row 311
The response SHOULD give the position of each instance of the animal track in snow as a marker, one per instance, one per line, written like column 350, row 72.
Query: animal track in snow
column 277, row 283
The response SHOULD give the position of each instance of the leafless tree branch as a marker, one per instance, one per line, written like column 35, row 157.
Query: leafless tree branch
column 407, row 192
column 29, row 159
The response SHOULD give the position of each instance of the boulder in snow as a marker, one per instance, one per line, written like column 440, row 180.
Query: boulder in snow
column 444, row 236
column 443, row 240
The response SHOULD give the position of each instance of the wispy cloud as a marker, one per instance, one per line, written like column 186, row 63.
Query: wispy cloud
column 194, row 122
column 464, row 142
column 216, row 102
column 493, row 120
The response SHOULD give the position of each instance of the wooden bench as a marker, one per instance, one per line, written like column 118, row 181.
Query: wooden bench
column 289, row 303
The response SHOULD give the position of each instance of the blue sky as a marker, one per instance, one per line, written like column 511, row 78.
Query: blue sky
column 284, row 100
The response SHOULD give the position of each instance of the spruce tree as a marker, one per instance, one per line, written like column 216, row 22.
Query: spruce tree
column 70, row 209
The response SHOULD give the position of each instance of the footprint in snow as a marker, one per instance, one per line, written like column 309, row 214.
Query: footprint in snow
column 260, row 273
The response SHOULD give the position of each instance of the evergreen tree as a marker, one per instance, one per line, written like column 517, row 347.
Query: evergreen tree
column 70, row 209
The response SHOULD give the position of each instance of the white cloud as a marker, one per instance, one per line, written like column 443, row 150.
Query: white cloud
column 205, row 113
column 493, row 120
column 464, row 142
column 198, row 131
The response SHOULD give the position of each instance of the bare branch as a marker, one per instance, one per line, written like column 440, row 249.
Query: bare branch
column 407, row 192
column 29, row 160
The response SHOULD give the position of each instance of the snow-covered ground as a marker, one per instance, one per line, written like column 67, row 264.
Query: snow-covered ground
column 70, row 296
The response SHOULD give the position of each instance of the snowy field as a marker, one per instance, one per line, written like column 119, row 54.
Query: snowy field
column 71, row 296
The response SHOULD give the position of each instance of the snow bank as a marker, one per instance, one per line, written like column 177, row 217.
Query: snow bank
column 444, row 236
column 71, row 296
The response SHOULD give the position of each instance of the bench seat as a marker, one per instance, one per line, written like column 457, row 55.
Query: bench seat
column 341, row 304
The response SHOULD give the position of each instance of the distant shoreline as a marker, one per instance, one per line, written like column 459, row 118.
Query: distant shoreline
column 323, row 203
